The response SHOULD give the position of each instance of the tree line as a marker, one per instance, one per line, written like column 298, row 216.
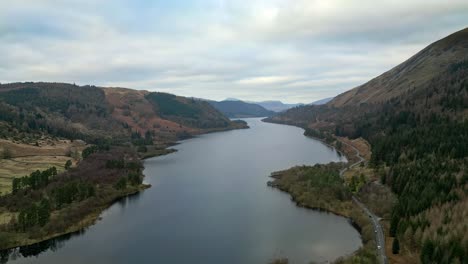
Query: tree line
column 35, row 180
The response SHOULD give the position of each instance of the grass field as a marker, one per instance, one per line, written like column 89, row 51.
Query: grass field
column 44, row 148
column 5, row 217
column 26, row 158
column 21, row 166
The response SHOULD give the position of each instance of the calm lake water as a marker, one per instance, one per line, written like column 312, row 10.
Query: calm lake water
column 210, row 204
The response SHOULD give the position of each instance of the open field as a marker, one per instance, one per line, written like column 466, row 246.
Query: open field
column 22, row 158
column 44, row 147
column 21, row 166
column 358, row 170
column 5, row 216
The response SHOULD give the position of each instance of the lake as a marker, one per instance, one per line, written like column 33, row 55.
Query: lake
column 209, row 203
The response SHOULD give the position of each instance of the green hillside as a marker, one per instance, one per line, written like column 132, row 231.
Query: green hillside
column 240, row 109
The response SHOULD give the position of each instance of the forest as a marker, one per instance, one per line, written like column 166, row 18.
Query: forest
column 320, row 187
column 45, row 204
column 57, row 109
column 424, row 145
column 419, row 148
column 187, row 111
column 28, row 110
column 428, row 172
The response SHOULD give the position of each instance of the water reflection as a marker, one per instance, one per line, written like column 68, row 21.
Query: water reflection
column 57, row 243
column 38, row 248
column 128, row 200
column 210, row 204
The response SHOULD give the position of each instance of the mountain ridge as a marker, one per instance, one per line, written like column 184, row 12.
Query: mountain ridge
column 411, row 74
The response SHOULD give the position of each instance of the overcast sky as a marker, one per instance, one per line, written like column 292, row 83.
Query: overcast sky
column 294, row 51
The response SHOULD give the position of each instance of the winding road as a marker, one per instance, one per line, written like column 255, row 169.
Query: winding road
column 379, row 234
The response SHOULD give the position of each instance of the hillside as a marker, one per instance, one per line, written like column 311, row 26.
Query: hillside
column 188, row 111
column 51, row 122
column 275, row 106
column 240, row 109
column 67, row 152
column 93, row 113
column 414, row 74
column 62, row 110
column 50, row 203
column 415, row 117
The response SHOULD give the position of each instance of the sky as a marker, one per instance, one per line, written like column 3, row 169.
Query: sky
column 293, row 51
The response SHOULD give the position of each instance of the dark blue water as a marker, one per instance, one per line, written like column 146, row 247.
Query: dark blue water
column 210, row 204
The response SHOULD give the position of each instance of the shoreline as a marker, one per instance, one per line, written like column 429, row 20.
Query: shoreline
column 348, row 165
column 301, row 205
column 341, row 152
column 318, row 209
column 87, row 221
column 92, row 218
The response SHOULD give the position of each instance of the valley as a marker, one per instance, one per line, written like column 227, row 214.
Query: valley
column 116, row 145
column 223, row 190
column 68, row 152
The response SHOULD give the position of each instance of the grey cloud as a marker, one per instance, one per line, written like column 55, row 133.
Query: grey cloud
column 294, row 51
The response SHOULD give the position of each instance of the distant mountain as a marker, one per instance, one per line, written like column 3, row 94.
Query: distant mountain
column 277, row 106
column 322, row 101
column 235, row 99
column 239, row 109
column 272, row 105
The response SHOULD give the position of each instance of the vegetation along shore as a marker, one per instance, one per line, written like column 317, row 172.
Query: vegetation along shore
column 68, row 152
column 321, row 187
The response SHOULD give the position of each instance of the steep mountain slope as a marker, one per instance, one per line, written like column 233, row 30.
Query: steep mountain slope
column 416, row 118
column 131, row 107
column 369, row 106
column 239, row 109
column 413, row 74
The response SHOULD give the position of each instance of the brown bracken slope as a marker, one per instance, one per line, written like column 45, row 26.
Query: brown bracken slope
column 95, row 113
column 412, row 74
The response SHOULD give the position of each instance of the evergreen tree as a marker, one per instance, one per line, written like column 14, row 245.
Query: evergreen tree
column 68, row 164
column 395, row 246
column 22, row 221
column 16, row 185
column 394, row 223
column 121, row 183
column 31, row 216
column 43, row 212
column 134, row 178
column 427, row 252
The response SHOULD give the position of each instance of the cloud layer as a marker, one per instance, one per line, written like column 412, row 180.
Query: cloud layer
column 295, row 51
